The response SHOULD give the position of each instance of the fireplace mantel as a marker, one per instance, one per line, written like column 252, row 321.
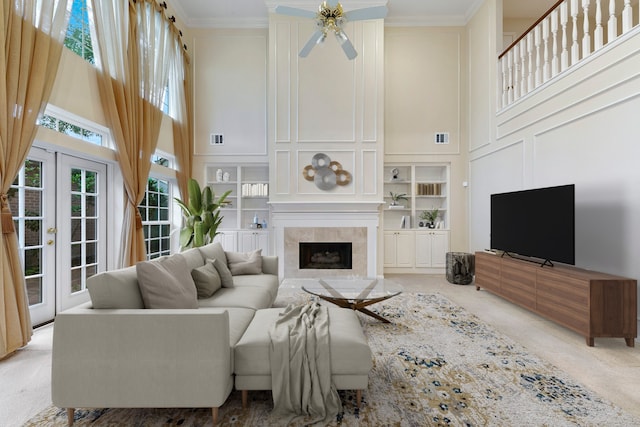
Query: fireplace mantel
column 348, row 217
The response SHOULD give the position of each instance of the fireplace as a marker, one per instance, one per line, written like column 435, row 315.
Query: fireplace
column 325, row 255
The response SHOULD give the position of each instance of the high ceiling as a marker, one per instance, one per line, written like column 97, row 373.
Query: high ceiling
column 253, row 13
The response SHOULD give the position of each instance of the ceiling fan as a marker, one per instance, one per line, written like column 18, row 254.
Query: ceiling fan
column 331, row 18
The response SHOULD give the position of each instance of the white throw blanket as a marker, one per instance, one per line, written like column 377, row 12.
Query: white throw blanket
column 301, row 365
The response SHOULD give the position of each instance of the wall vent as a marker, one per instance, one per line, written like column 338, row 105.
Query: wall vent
column 442, row 138
column 217, row 139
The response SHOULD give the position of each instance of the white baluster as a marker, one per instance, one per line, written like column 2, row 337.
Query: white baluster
column 627, row 16
column 523, row 67
column 516, row 71
column 575, row 47
column 612, row 25
column 564, row 18
column 538, row 39
column 503, row 62
column 510, row 76
column 586, row 36
column 530, row 76
column 599, row 31
column 555, row 61
column 546, row 75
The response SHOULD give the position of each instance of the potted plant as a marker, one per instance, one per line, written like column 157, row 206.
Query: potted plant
column 430, row 217
column 395, row 197
column 201, row 215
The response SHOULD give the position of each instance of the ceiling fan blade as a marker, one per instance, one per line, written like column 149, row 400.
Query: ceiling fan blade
column 294, row 11
column 348, row 48
column 315, row 38
column 377, row 12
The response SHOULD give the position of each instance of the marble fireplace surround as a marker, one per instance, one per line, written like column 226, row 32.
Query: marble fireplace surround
column 326, row 222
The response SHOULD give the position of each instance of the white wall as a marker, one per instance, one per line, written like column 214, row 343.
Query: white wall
column 580, row 128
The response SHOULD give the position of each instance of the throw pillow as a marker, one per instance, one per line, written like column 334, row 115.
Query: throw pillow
column 207, row 279
column 226, row 279
column 166, row 283
column 245, row 262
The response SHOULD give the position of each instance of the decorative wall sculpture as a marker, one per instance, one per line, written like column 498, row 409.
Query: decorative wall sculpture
column 325, row 173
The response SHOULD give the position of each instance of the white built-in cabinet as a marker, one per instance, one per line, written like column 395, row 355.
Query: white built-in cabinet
column 398, row 249
column 409, row 245
column 252, row 240
column 249, row 185
column 431, row 249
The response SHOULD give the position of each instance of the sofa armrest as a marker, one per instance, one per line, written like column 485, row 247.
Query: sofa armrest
column 141, row 358
column 270, row 265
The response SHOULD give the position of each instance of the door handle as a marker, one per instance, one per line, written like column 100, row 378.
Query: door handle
column 49, row 242
column 52, row 230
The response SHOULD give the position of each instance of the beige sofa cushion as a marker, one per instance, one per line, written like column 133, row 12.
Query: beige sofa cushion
column 226, row 278
column 350, row 352
column 193, row 257
column 248, row 297
column 269, row 282
column 244, row 262
column 206, row 279
column 167, row 283
column 115, row 289
column 213, row 251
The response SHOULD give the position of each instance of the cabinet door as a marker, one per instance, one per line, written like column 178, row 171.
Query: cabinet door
column 439, row 248
column 423, row 249
column 389, row 249
column 404, row 249
column 228, row 240
column 252, row 240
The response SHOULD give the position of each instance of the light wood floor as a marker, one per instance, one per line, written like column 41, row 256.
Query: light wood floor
column 610, row 368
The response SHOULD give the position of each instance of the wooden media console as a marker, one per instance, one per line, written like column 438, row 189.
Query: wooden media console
column 590, row 303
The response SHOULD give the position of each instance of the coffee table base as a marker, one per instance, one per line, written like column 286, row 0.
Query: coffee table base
column 358, row 305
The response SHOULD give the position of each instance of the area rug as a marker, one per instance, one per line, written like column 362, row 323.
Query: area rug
column 434, row 365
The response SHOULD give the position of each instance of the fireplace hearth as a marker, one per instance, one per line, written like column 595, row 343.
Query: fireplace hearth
column 325, row 255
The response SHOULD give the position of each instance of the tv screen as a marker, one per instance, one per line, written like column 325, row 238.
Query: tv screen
column 536, row 223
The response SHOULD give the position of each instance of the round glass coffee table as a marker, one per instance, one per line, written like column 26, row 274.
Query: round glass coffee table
column 355, row 293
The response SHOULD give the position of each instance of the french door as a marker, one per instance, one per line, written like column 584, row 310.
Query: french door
column 59, row 210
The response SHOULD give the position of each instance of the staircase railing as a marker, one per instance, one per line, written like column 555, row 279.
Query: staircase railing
column 566, row 34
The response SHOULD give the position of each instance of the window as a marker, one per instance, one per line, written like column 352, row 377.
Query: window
column 78, row 37
column 72, row 130
column 155, row 210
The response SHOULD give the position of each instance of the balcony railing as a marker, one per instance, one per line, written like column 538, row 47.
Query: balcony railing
column 566, row 34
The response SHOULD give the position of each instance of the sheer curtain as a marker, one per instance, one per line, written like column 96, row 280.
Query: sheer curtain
column 135, row 51
column 30, row 52
column 181, row 102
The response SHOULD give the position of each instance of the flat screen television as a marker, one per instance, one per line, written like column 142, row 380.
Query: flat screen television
column 537, row 223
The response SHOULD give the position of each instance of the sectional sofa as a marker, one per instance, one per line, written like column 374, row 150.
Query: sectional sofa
column 175, row 332
column 114, row 352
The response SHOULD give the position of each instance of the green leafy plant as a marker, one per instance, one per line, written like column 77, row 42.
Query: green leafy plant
column 430, row 216
column 201, row 215
column 396, row 197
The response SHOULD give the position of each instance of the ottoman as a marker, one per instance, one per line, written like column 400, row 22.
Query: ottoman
column 350, row 353
column 460, row 268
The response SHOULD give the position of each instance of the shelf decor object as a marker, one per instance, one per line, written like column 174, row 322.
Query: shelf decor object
column 325, row 173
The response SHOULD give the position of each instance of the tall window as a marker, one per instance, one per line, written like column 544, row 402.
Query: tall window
column 78, row 37
column 155, row 210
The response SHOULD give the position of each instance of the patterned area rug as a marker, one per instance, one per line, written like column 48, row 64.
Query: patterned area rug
column 435, row 365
